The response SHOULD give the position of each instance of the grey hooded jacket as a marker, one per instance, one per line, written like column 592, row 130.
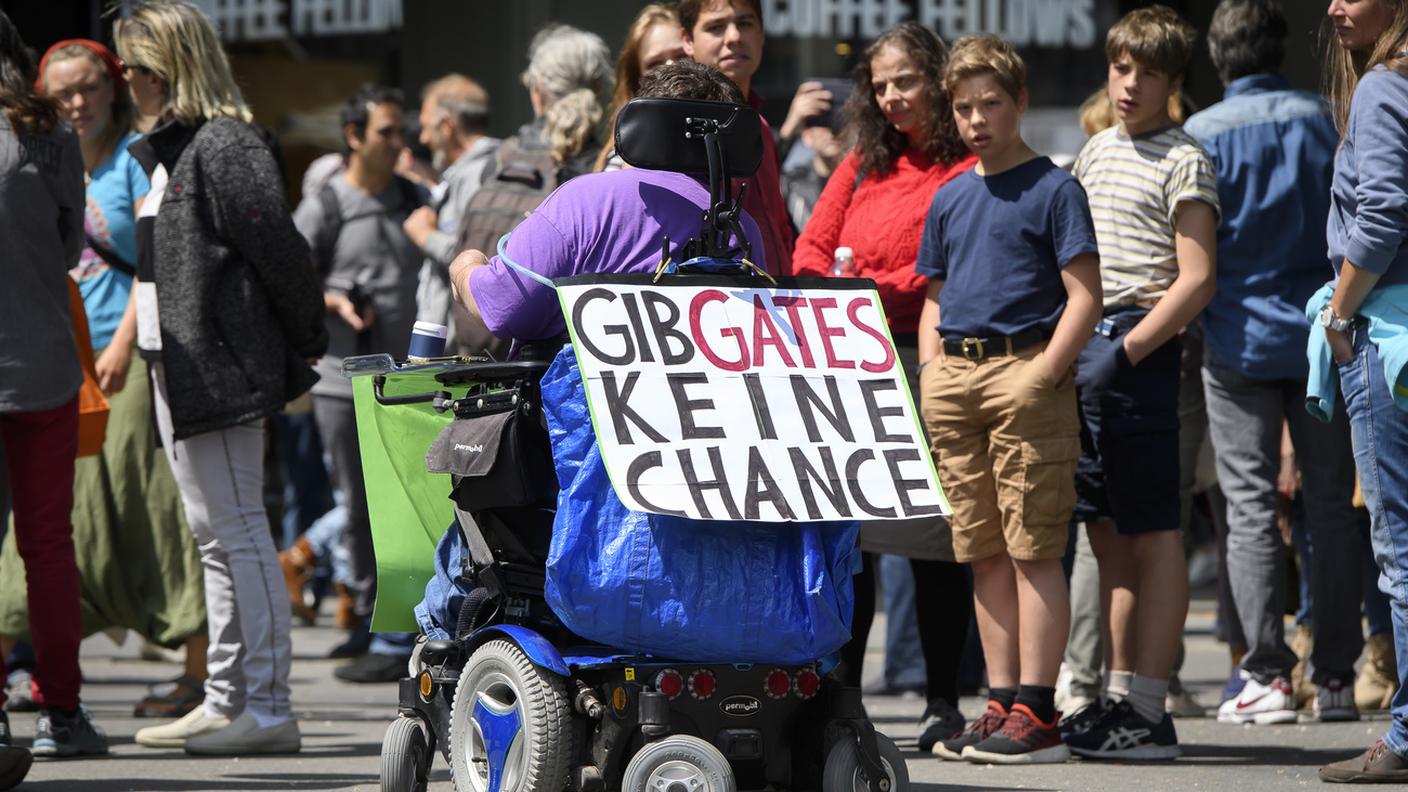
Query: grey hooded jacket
column 240, row 307
column 41, row 230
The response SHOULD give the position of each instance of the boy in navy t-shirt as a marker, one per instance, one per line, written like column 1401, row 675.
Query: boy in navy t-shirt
column 1014, row 293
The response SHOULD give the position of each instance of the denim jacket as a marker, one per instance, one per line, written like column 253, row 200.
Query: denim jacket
column 1386, row 309
column 1274, row 148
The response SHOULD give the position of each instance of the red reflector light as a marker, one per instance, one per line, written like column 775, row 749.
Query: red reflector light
column 808, row 683
column 779, row 683
column 669, row 682
column 702, row 684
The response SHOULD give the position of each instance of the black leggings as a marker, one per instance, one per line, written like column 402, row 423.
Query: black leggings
column 943, row 600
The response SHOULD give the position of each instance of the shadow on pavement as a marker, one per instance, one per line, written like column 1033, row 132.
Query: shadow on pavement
column 917, row 787
column 1276, row 755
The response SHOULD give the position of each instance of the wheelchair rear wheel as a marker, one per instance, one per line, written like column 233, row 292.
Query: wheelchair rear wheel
column 680, row 763
column 405, row 757
column 511, row 724
column 842, row 771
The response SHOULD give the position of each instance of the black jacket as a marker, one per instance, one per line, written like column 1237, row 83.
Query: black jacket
column 239, row 303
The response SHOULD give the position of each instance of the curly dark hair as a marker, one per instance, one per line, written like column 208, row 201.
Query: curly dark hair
column 880, row 144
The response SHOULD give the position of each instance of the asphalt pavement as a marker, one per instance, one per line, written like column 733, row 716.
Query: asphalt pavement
column 342, row 728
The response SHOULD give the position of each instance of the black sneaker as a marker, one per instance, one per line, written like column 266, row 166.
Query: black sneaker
column 1378, row 765
column 1023, row 739
column 976, row 732
column 940, row 722
column 1083, row 719
column 60, row 734
column 372, row 667
column 1125, row 734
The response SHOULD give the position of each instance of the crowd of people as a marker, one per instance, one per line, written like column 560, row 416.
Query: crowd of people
column 1071, row 332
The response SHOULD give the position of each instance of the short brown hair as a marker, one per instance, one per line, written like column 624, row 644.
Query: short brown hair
column 973, row 56
column 689, row 11
column 1155, row 36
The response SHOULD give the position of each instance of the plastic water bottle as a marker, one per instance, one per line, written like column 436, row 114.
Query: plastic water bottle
column 844, row 263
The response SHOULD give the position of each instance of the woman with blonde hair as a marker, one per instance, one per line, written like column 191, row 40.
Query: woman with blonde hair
column 1360, row 334
column 229, row 315
column 653, row 39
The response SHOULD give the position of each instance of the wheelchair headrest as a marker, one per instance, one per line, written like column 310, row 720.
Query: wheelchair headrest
column 667, row 135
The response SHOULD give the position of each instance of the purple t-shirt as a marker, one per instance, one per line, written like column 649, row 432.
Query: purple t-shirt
column 599, row 222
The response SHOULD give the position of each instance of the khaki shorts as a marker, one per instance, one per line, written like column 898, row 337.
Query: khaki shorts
column 1006, row 440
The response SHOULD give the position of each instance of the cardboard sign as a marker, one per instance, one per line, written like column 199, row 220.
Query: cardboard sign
column 723, row 398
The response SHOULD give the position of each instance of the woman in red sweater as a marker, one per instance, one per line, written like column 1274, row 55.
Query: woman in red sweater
column 875, row 204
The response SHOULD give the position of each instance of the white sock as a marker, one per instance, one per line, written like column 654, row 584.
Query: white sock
column 1117, row 685
column 1146, row 696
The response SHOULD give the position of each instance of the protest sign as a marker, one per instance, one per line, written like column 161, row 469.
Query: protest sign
column 725, row 398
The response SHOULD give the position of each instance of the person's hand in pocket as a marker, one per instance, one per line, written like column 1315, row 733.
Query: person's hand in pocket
column 1102, row 369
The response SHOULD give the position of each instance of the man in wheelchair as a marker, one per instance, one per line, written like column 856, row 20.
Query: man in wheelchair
column 516, row 700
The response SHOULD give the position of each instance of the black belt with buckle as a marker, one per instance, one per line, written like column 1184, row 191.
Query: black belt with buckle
column 979, row 348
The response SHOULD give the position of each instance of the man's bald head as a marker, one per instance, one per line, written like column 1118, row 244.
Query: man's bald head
column 454, row 113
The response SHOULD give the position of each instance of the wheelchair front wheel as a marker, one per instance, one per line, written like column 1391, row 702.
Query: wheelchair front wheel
column 511, row 724
column 842, row 770
column 405, row 757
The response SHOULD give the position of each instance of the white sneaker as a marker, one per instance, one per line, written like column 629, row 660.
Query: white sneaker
column 175, row 734
column 1261, row 704
column 1334, row 701
column 244, row 736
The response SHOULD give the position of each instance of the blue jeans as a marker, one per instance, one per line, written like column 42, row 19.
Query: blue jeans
column 1380, row 435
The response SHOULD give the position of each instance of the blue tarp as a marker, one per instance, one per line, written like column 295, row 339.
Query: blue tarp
column 700, row 591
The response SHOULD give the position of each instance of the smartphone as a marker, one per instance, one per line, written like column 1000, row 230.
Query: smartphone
column 840, row 89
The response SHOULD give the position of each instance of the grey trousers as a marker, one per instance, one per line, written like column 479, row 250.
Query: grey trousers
column 337, row 426
column 221, row 479
column 1245, row 416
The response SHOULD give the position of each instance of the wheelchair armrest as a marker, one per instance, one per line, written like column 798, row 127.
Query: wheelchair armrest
column 493, row 372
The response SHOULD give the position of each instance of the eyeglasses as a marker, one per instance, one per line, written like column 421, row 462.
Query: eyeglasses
column 130, row 67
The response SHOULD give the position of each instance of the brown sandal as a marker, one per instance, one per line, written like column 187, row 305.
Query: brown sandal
column 171, row 699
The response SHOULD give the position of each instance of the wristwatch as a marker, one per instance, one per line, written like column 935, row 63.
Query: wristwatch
column 1330, row 321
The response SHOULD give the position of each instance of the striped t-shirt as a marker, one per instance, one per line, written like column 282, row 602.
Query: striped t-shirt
column 1135, row 185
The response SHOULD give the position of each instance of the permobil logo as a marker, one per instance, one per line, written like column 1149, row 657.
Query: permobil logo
column 742, row 706
column 473, row 449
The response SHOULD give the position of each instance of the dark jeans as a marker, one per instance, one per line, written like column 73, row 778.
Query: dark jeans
column 41, row 447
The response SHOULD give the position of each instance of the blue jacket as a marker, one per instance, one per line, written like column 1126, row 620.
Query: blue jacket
column 1387, row 312
column 1369, row 210
column 1274, row 148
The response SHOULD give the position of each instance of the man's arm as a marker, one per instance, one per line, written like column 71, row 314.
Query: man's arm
column 461, row 268
column 1084, row 299
column 1195, row 230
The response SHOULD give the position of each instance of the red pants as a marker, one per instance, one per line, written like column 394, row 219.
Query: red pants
column 40, row 448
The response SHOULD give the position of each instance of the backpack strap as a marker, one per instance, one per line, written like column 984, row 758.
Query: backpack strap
column 110, row 256
column 332, row 228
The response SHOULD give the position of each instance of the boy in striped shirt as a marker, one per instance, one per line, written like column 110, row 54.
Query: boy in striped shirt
column 1153, row 197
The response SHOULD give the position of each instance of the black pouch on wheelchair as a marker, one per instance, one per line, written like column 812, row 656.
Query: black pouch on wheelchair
column 496, row 459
